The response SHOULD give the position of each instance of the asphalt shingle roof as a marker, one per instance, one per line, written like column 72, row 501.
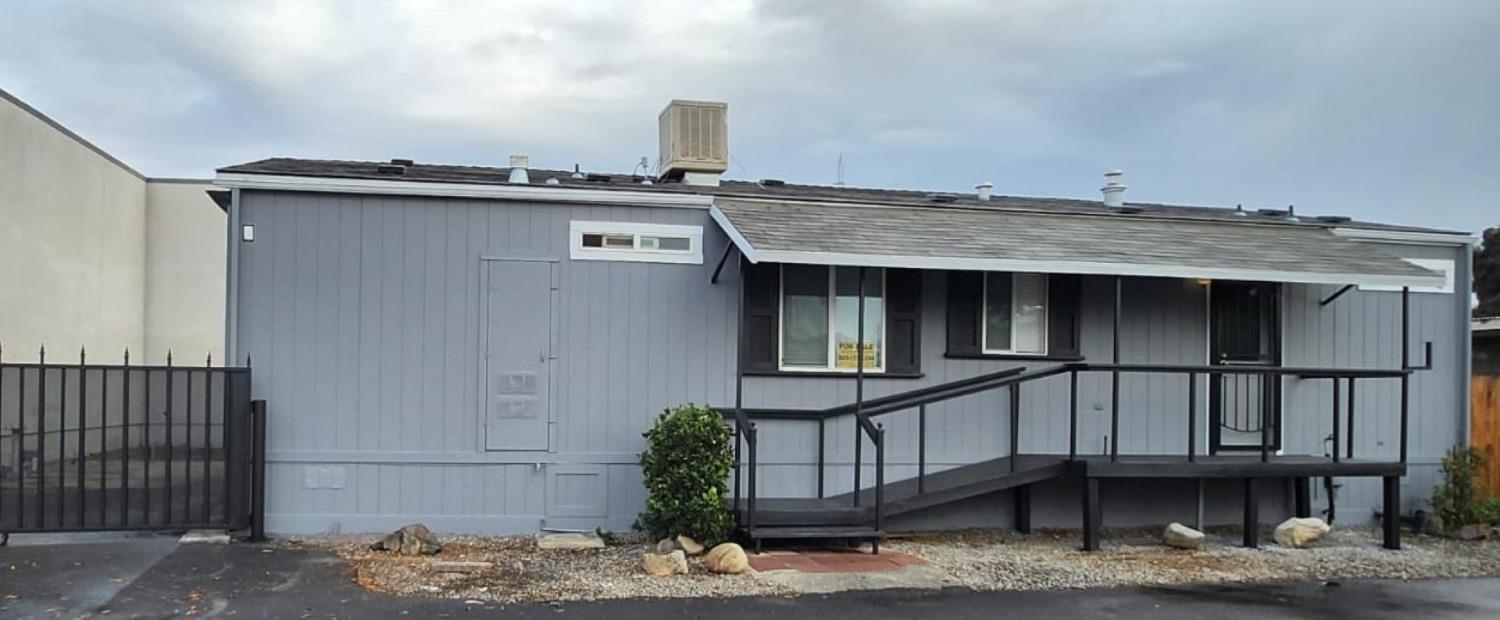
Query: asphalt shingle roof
column 423, row 172
column 926, row 236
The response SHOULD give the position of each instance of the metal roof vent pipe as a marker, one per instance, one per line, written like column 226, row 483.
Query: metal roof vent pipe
column 984, row 190
column 518, row 165
column 1114, row 190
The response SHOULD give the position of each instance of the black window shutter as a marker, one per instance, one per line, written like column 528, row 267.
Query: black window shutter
column 1063, row 312
column 965, row 298
column 903, row 321
column 762, row 307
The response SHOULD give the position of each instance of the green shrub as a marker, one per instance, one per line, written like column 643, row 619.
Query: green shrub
column 686, row 468
column 1461, row 498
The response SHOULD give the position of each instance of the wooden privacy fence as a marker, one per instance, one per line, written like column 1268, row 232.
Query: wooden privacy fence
column 1484, row 427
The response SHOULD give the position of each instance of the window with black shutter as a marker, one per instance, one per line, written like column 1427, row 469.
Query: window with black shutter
column 1004, row 314
column 804, row 319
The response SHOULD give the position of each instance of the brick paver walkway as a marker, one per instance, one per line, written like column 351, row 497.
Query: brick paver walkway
column 833, row 561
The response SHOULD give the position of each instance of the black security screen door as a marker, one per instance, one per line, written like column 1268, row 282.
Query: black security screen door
column 1244, row 331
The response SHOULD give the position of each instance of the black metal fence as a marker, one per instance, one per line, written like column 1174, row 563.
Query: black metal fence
column 87, row 447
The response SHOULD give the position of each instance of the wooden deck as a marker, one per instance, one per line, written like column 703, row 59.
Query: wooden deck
column 841, row 517
column 1231, row 466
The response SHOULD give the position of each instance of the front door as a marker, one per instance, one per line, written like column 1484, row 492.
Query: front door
column 1244, row 331
column 517, row 331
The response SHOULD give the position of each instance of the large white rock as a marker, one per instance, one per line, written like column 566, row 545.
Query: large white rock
column 665, row 564
column 1182, row 537
column 726, row 559
column 1298, row 533
column 686, row 543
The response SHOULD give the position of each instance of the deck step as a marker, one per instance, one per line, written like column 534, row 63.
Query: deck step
column 806, row 532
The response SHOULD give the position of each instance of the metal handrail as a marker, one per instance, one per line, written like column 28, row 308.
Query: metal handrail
column 1013, row 379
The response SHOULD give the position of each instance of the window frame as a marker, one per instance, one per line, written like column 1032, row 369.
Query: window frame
column 636, row 230
column 984, row 315
column 832, row 290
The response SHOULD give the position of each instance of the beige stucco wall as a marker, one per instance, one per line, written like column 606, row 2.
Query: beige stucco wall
column 72, row 244
column 93, row 255
column 184, row 272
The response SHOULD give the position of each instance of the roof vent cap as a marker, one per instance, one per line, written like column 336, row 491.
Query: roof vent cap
column 552, row 181
column 577, row 173
column 1239, row 210
column 1114, row 190
column 518, row 165
column 984, row 189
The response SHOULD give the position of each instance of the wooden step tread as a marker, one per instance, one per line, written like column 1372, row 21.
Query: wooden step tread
column 816, row 532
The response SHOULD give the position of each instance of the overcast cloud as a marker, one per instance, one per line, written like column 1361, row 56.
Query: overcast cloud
column 1381, row 110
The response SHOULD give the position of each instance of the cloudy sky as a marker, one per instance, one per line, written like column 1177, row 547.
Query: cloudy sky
column 1381, row 110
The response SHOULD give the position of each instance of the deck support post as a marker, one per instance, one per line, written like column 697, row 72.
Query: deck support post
column 1114, row 377
column 1302, row 498
column 1391, row 513
column 1252, row 515
column 1091, row 514
column 1023, row 509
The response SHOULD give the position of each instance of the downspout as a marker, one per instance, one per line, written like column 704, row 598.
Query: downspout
column 232, row 282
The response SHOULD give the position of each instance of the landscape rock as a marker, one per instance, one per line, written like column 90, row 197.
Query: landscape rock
column 665, row 564
column 666, row 545
column 571, row 541
column 726, row 559
column 414, row 539
column 687, row 544
column 1435, row 525
column 1182, row 537
column 1298, row 533
column 1473, row 531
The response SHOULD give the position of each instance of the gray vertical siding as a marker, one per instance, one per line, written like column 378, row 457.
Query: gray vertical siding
column 1363, row 329
column 362, row 316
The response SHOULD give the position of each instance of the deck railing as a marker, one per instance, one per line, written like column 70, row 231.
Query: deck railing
column 1014, row 379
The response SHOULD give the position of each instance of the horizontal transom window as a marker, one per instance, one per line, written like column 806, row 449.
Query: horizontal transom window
column 626, row 241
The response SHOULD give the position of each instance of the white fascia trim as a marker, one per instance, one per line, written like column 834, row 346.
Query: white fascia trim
column 746, row 250
column 1091, row 268
column 1405, row 236
column 534, row 193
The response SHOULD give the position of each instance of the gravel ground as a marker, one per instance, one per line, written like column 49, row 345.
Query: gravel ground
column 525, row 574
column 980, row 560
column 991, row 560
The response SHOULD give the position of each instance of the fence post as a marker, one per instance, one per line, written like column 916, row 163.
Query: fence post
column 258, row 471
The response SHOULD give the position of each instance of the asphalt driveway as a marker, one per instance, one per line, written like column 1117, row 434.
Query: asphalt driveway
column 153, row 577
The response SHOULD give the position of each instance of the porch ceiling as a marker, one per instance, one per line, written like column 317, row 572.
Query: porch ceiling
column 950, row 237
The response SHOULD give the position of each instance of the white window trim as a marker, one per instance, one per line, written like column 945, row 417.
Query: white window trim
column 1444, row 266
column 832, row 365
column 984, row 315
column 691, row 256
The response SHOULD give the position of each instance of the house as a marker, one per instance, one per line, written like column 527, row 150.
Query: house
column 1486, row 332
column 481, row 349
column 98, row 255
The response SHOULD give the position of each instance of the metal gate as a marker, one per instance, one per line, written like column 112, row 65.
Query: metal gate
column 88, row 447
